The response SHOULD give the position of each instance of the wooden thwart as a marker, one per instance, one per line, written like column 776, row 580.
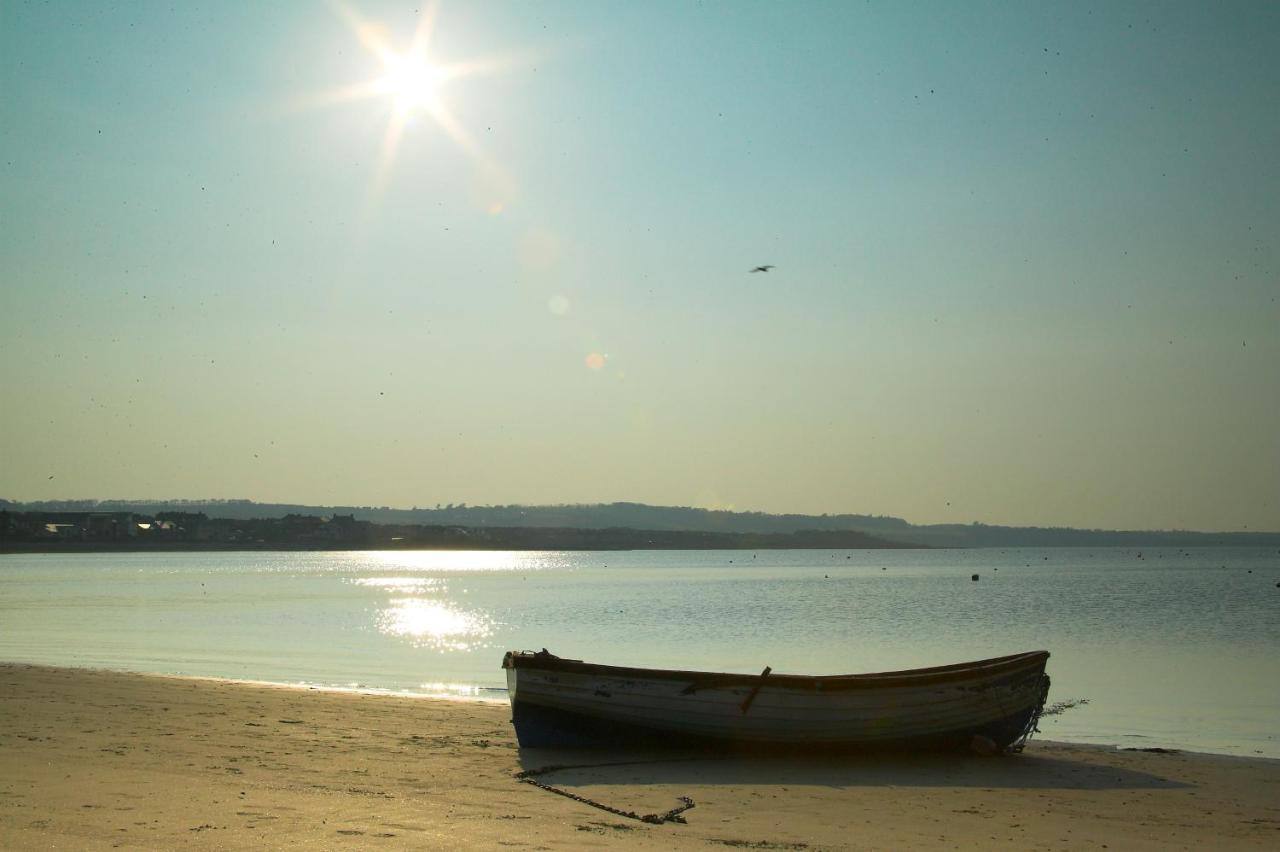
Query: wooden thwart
column 746, row 704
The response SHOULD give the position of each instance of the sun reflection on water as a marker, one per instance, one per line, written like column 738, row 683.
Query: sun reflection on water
column 435, row 624
column 460, row 690
column 465, row 560
column 401, row 584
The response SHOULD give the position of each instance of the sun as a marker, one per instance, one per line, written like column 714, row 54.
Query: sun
column 411, row 82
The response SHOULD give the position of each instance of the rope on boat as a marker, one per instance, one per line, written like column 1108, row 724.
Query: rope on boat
column 1033, row 721
column 530, row 776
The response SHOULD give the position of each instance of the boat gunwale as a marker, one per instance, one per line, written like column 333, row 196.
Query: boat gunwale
column 955, row 672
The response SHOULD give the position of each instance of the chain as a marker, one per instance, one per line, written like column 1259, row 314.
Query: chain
column 530, row 776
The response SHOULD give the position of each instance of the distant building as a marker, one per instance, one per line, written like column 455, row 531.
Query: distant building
column 89, row 525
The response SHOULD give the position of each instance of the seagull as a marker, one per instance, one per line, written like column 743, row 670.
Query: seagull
column 764, row 268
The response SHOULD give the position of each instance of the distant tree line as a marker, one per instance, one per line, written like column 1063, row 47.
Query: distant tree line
column 256, row 518
column 173, row 530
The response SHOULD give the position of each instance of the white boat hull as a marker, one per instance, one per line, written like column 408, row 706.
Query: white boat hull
column 566, row 703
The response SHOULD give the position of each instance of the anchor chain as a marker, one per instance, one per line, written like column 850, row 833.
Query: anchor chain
column 530, row 776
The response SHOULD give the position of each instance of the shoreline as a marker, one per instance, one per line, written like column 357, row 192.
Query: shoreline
column 97, row 758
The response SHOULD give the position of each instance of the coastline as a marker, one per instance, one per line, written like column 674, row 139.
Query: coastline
column 97, row 759
column 520, row 540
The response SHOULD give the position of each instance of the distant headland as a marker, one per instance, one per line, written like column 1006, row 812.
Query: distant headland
column 84, row 525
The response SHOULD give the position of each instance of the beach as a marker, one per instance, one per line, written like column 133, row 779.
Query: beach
column 96, row 759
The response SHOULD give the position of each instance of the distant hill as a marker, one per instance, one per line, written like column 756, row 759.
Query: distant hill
column 638, row 516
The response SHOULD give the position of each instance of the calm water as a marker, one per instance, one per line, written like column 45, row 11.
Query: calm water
column 1171, row 647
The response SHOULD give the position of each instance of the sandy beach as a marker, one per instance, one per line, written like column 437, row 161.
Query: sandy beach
column 95, row 760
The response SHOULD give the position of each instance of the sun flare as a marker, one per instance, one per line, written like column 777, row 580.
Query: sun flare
column 411, row 82
column 412, row 85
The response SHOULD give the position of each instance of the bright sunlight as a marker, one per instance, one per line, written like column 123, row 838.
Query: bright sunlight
column 411, row 82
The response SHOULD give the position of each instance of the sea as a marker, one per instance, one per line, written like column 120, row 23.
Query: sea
column 1151, row 648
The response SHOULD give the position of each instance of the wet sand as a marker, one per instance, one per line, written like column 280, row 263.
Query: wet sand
column 96, row 760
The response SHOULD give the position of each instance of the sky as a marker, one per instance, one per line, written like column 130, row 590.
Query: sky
column 1026, row 256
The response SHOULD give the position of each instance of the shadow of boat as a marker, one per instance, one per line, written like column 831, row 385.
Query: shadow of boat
column 1027, row 771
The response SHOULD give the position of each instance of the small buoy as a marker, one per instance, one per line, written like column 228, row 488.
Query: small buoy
column 974, row 578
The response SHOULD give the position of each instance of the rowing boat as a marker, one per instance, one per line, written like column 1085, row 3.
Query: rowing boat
column 988, row 705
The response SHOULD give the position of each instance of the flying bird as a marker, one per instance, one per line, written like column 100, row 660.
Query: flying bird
column 764, row 268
